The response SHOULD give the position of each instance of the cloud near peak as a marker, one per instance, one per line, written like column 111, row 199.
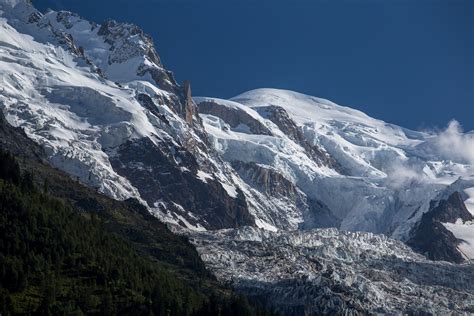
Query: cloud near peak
column 453, row 144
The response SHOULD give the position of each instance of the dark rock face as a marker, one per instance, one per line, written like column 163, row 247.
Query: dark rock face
column 274, row 185
column 448, row 211
column 190, row 111
column 183, row 105
column 431, row 238
column 162, row 77
column 330, row 298
column 164, row 172
column 280, row 117
column 122, row 40
column 318, row 215
column 148, row 104
column 112, row 30
column 67, row 41
column 267, row 180
column 233, row 117
column 64, row 17
column 14, row 140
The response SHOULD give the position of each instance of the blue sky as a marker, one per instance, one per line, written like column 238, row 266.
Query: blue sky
column 407, row 62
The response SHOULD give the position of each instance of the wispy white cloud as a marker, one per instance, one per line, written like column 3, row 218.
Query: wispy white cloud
column 450, row 143
column 453, row 144
column 401, row 174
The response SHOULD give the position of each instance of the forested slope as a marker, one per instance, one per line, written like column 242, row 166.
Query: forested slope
column 67, row 249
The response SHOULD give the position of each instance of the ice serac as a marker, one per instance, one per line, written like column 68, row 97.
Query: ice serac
column 297, row 207
column 330, row 272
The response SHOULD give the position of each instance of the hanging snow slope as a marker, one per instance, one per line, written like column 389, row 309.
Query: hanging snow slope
column 387, row 175
column 366, row 147
column 99, row 101
column 35, row 75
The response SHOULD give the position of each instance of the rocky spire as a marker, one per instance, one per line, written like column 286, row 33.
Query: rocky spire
column 189, row 106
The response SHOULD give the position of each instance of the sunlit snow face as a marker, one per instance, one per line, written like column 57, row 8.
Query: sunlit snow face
column 383, row 165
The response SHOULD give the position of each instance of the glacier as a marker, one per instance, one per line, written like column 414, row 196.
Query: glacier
column 385, row 171
column 286, row 196
column 329, row 271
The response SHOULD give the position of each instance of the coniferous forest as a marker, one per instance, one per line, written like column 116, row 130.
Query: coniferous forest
column 65, row 249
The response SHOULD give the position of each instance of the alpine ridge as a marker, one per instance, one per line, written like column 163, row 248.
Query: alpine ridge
column 317, row 207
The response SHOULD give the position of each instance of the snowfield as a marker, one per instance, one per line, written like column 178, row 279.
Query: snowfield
column 465, row 232
column 386, row 173
column 83, row 91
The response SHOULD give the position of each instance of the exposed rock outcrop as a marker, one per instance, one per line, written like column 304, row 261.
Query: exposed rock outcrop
column 268, row 180
column 275, row 186
column 14, row 140
column 280, row 117
column 318, row 215
column 190, row 112
column 233, row 117
column 123, row 44
column 164, row 172
column 148, row 103
column 431, row 238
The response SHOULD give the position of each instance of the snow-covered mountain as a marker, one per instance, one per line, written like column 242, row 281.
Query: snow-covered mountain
column 98, row 99
column 272, row 165
column 368, row 175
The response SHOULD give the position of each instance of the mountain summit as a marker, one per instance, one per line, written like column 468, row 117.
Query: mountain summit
column 265, row 180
